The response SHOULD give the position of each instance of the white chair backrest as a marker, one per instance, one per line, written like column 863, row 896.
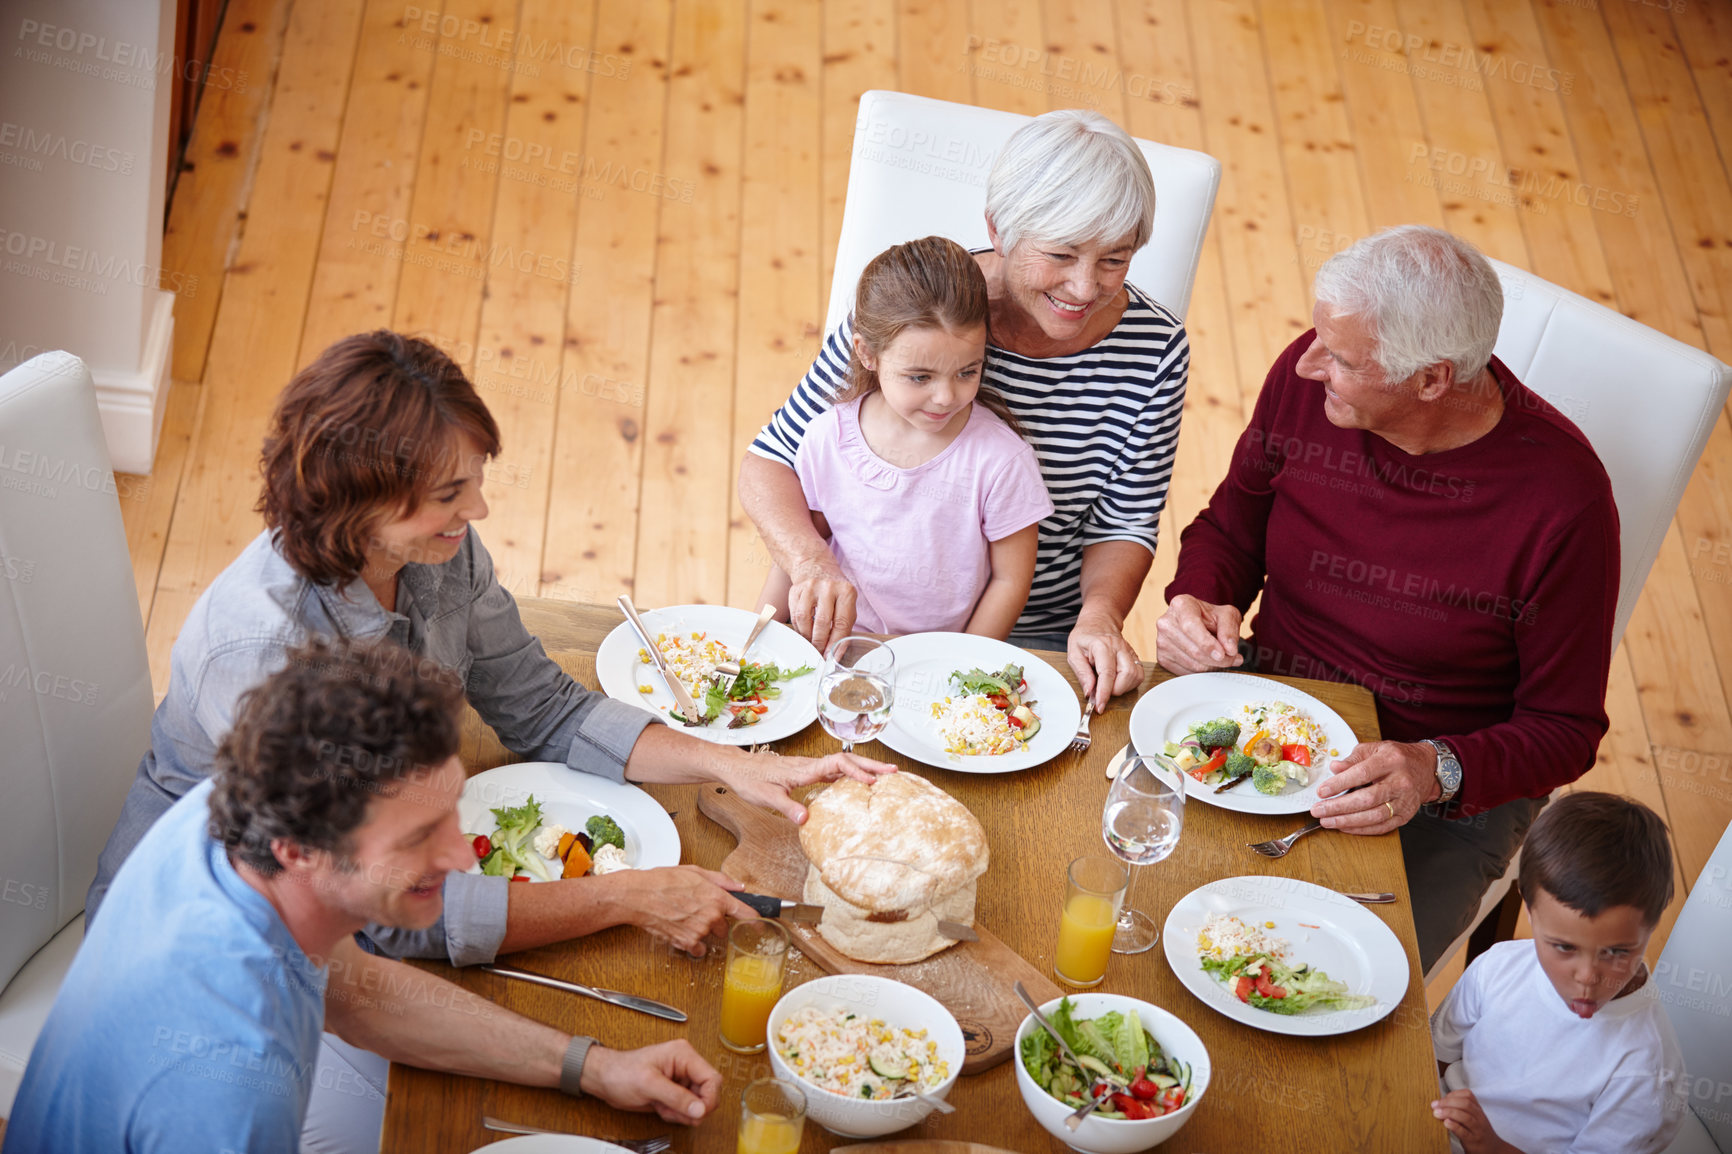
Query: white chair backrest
column 919, row 168
column 75, row 699
column 1694, row 978
column 1645, row 402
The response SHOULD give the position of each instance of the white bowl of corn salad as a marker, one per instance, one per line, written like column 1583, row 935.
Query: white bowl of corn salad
column 853, row 1042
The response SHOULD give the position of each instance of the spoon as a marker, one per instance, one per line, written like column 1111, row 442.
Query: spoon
column 910, row 1090
column 732, row 668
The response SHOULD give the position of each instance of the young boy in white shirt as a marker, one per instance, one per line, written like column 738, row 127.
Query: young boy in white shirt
column 1561, row 1044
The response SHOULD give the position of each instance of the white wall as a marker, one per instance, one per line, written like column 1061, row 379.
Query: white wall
column 84, row 109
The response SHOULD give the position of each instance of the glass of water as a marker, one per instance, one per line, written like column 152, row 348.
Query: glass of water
column 1141, row 821
column 855, row 689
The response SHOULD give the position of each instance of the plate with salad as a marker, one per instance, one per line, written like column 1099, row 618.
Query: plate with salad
column 1273, row 741
column 542, row 820
column 774, row 696
column 977, row 705
column 1285, row 956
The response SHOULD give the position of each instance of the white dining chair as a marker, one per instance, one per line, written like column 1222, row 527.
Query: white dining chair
column 1694, row 983
column 75, row 696
column 1647, row 403
column 919, row 168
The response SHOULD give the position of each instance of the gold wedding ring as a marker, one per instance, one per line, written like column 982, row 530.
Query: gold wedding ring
column 1391, row 807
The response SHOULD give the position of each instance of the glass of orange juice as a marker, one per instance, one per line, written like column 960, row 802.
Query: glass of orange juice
column 1094, row 890
column 772, row 1116
column 757, row 959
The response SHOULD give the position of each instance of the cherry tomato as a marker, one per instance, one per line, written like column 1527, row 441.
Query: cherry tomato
column 1130, row 1107
column 1297, row 754
column 1243, row 987
column 483, row 847
column 1267, row 988
column 1171, row 1099
column 1015, row 721
column 520, row 878
column 999, row 700
column 1142, row 1088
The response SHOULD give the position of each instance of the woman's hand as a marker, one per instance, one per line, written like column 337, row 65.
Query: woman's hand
column 670, row 1078
column 1463, row 1116
column 765, row 779
column 1103, row 661
column 685, row 905
column 1195, row 636
column 820, row 601
column 1390, row 780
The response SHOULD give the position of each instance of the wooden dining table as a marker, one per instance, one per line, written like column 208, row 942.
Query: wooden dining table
column 1368, row 1090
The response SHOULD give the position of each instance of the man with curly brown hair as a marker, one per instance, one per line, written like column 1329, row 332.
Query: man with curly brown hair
column 191, row 1018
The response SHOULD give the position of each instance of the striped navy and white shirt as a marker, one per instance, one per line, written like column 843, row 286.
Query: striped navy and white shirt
column 1104, row 424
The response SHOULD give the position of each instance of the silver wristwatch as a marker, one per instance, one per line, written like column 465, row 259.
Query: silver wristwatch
column 1448, row 770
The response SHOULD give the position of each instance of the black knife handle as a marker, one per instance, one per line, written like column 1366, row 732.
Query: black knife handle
column 766, row 906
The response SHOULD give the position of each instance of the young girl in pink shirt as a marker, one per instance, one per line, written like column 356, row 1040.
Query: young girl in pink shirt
column 929, row 496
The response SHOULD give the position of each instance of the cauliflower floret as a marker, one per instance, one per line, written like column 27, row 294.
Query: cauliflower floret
column 609, row 858
column 547, row 840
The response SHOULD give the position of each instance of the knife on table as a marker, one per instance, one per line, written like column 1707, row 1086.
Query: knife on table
column 689, row 711
column 629, row 1001
column 793, row 911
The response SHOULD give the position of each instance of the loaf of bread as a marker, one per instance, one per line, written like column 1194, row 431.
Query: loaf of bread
column 888, row 862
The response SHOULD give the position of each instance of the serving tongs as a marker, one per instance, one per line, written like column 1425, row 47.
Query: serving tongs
column 1076, row 1118
column 690, row 714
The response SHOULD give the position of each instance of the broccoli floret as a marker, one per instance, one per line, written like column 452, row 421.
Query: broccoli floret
column 1216, row 734
column 1238, row 763
column 1269, row 778
column 605, row 831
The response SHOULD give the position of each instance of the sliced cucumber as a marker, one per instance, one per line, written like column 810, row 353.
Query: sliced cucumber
column 1030, row 723
column 1096, row 1066
column 1163, row 1081
column 886, row 1066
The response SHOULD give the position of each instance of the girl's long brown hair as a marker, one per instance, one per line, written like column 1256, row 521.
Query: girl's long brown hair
column 927, row 283
column 363, row 433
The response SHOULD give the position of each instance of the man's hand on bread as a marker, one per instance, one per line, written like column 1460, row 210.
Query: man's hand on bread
column 766, row 779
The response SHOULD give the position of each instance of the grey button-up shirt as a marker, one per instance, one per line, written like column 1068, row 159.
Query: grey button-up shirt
column 458, row 614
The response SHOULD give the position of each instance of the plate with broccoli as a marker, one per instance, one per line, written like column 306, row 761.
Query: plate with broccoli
column 541, row 820
column 1274, row 741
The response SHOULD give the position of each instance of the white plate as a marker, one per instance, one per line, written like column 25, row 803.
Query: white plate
column 1172, row 707
column 571, row 798
column 924, row 663
column 1329, row 932
column 620, row 672
column 552, row 1144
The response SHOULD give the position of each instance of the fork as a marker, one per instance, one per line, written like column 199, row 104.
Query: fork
column 1280, row 846
column 655, row 1145
column 1081, row 742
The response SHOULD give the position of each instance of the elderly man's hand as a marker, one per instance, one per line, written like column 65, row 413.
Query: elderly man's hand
column 767, row 778
column 1195, row 636
column 821, row 601
column 1101, row 658
column 1388, row 780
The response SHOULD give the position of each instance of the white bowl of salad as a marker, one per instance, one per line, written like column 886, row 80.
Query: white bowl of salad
column 1155, row 1066
column 859, row 1046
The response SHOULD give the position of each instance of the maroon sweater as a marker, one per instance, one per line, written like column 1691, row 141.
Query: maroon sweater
column 1472, row 590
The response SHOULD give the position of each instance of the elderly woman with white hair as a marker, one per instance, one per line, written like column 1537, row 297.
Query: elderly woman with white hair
column 1092, row 368
column 1423, row 525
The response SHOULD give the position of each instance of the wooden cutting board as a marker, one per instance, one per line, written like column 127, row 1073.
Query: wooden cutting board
column 972, row 980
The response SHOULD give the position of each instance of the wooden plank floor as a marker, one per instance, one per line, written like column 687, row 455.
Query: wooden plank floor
column 621, row 219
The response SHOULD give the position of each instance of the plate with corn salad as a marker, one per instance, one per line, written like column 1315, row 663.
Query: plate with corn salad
column 775, row 696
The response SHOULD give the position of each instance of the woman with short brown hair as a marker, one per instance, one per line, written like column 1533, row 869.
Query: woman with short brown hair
column 372, row 469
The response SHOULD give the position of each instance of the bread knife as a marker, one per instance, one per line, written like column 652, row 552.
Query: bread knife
column 772, row 907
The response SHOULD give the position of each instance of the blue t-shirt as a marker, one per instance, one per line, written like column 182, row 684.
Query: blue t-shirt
column 189, row 1020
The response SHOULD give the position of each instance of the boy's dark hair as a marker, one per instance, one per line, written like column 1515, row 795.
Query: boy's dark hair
column 1592, row 851
column 341, row 723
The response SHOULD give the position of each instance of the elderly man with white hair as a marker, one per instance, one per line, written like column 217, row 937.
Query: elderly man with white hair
column 1093, row 369
column 1420, row 523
